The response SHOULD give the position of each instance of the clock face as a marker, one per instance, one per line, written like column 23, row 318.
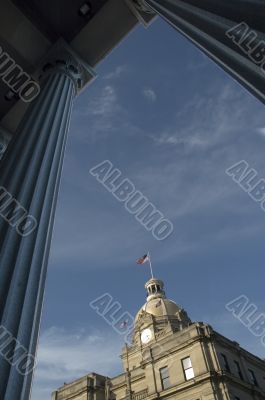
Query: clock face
column 146, row 335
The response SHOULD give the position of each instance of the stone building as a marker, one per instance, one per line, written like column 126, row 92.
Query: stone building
column 172, row 357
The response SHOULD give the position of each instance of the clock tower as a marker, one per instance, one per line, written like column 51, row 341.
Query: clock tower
column 157, row 319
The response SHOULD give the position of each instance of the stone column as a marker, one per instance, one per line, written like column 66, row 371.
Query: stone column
column 29, row 183
column 210, row 25
column 4, row 140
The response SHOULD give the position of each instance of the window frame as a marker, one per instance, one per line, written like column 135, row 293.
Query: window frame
column 253, row 379
column 225, row 363
column 239, row 371
column 164, row 379
column 187, row 369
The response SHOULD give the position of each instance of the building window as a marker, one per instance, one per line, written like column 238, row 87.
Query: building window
column 187, row 368
column 238, row 369
column 164, row 376
column 252, row 376
column 225, row 363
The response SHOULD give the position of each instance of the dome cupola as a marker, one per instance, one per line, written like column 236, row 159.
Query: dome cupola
column 160, row 308
column 154, row 289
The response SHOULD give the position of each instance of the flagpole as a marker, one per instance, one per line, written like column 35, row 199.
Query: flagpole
column 151, row 269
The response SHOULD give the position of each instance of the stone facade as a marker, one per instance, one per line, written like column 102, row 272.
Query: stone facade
column 171, row 357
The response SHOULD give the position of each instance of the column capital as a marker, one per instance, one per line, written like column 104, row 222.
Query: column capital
column 143, row 6
column 141, row 10
column 61, row 58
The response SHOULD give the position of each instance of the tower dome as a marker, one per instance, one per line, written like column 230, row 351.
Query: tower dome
column 158, row 306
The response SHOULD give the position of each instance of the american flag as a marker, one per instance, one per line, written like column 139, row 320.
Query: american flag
column 143, row 259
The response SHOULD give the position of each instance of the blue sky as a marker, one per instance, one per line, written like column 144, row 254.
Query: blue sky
column 172, row 122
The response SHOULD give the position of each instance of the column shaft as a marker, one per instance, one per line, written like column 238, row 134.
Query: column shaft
column 30, row 172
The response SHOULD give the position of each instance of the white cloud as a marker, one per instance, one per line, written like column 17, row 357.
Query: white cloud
column 167, row 138
column 64, row 356
column 210, row 119
column 261, row 131
column 101, row 110
column 150, row 94
column 105, row 103
column 195, row 66
column 117, row 73
column 205, row 120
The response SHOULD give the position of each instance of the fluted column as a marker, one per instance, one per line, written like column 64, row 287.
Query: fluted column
column 29, row 178
column 4, row 140
column 240, row 52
